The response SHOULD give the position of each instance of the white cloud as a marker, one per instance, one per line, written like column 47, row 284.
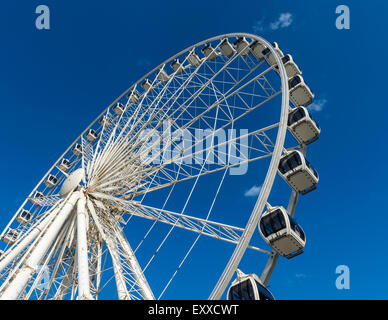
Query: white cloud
column 284, row 21
column 318, row 105
column 258, row 26
column 253, row 192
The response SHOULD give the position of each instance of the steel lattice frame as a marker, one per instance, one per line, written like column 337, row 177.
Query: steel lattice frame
column 74, row 235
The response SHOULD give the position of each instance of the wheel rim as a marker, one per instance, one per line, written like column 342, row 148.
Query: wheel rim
column 93, row 155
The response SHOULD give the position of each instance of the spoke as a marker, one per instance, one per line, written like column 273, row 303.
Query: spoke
column 117, row 243
column 140, row 173
column 208, row 228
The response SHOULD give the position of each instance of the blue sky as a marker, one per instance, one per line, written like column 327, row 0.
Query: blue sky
column 53, row 83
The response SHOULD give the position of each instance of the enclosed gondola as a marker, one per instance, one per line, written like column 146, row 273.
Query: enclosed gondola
column 163, row 75
column 269, row 56
column 51, row 181
column 227, row 48
column 257, row 49
column 10, row 237
column 105, row 122
column 290, row 66
column 24, row 217
column 118, row 108
column 77, row 150
column 242, row 46
column 300, row 93
column 248, row 287
column 177, row 66
column 209, row 52
column 302, row 126
column 133, row 97
column 91, row 135
column 146, row 85
column 37, row 198
column 298, row 172
column 64, row 165
column 194, row 59
column 282, row 233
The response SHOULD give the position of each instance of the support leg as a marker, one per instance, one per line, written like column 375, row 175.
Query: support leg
column 24, row 274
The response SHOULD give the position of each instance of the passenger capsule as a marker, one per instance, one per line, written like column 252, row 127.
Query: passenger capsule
column 146, row 85
column 24, row 217
column 269, row 56
column 257, row 49
column 10, row 237
column 77, row 150
column 302, row 126
column 290, row 66
column 37, row 198
column 248, row 287
column 51, row 181
column 298, row 172
column 91, row 135
column 194, row 59
column 133, row 97
column 282, row 233
column 227, row 48
column 177, row 66
column 209, row 52
column 105, row 122
column 242, row 46
column 64, row 165
column 300, row 93
column 118, row 108
column 163, row 76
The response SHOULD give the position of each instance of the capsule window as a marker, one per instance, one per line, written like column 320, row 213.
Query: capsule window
column 295, row 81
column 297, row 229
column 290, row 162
column 25, row 214
column 312, row 168
column 286, row 58
column 296, row 115
column 242, row 291
column 266, row 51
column 264, row 294
column 272, row 223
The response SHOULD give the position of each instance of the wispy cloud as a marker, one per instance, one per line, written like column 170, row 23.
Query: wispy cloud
column 318, row 105
column 253, row 192
column 284, row 21
column 258, row 26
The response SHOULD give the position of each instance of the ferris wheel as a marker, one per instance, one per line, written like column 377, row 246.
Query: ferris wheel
column 156, row 162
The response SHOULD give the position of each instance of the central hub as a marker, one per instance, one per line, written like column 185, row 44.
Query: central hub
column 72, row 182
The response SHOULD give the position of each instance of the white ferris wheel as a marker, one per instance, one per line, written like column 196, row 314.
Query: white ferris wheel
column 156, row 162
